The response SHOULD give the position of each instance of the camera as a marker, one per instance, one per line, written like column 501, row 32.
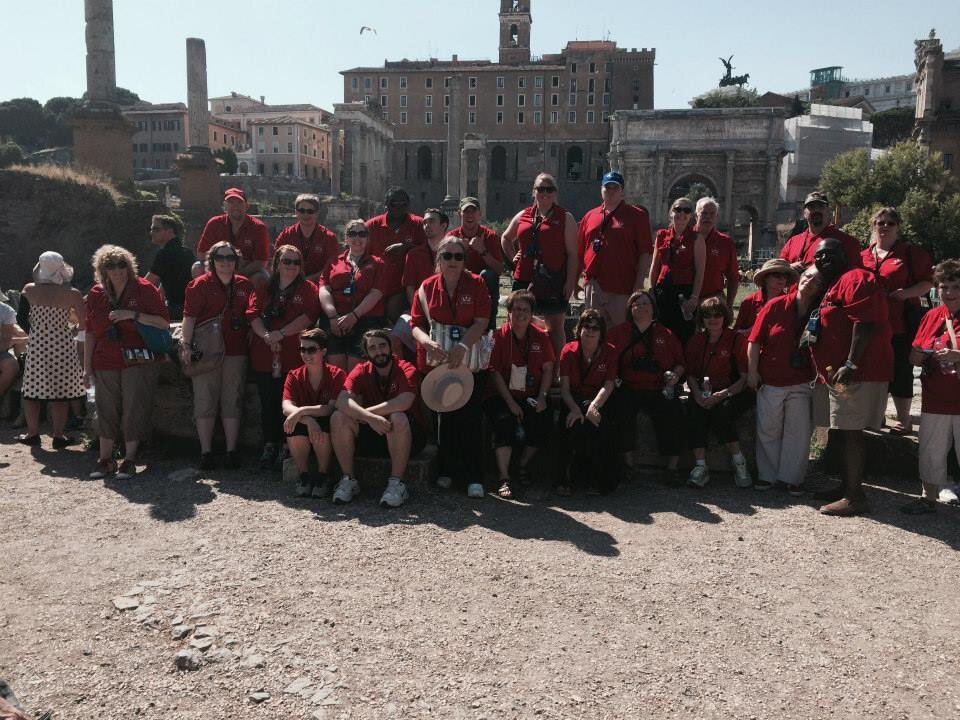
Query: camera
column 271, row 313
column 646, row 364
column 597, row 244
column 811, row 332
column 236, row 324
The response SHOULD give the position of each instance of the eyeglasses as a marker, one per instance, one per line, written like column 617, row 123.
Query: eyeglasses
column 684, row 210
column 290, row 261
column 542, row 189
column 115, row 265
column 357, row 233
column 306, row 211
column 885, row 223
column 709, row 315
column 225, row 258
column 452, row 256
column 308, row 349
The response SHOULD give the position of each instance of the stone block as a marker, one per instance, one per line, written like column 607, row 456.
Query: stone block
column 373, row 472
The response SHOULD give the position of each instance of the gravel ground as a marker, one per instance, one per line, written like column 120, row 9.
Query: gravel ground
column 717, row 603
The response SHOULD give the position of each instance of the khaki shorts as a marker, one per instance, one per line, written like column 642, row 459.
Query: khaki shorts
column 856, row 406
column 223, row 388
column 613, row 305
column 125, row 401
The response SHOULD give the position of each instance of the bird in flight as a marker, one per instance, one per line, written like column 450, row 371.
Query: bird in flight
column 370, row 29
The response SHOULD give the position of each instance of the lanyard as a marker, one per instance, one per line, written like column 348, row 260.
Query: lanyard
column 524, row 349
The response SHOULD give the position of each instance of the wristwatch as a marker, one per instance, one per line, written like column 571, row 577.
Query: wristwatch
column 849, row 365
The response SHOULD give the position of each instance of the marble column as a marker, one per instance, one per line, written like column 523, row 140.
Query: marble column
column 333, row 154
column 770, row 200
column 658, row 180
column 454, row 136
column 198, row 112
column 101, row 60
column 482, row 178
column 728, row 209
column 464, row 171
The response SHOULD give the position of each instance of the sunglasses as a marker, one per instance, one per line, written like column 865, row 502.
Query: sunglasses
column 590, row 326
column 452, row 256
column 309, row 349
column 290, row 261
column 709, row 315
column 545, row 189
column 226, row 258
column 357, row 233
column 115, row 265
column 306, row 211
column 684, row 210
column 885, row 223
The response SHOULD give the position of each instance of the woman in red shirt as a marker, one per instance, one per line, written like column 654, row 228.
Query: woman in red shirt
column 116, row 360
column 588, row 439
column 220, row 291
column 719, row 355
column 543, row 241
column 773, row 279
column 277, row 313
column 521, row 370
column 904, row 270
column 677, row 268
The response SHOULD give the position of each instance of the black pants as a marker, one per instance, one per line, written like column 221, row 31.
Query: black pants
column 720, row 418
column 589, row 455
column 666, row 415
column 492, row 281
column 902, row 384
column 536, row 426
column 668, row 309
column 270, row 390
column 460, row 440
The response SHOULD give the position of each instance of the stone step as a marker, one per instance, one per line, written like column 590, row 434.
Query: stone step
column 373, row 472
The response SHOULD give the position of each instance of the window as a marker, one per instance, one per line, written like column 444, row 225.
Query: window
column 573, row 84
column 276, row 148
column 471, row 100
column 591, row 117
column 606, row 99
column 555, row 81
column 354, row 85
column 538, row 100
column 606, row 116
column 635, row 85
column 555, row 100
column 572, row 116
column 275, row 130
column 289, row 130
column 499, row 100
column 520, row 118
column 403, row 83
column 261, row 148
column 446, row 82
column 135, row 150
column 289, row 168
column 948, row 161
column 521, row 82
column 573, row 68
column 591, row 98
column 500, row 81
column 260, row 131
column 428, row 82
column 538, row 81
column 554, row 116
column 472, row 82
column 428, row 118
column 259, row 168
column 446, row 118
column 403, row 118
column 428, row 100
column 572, row 99
column 383, row 100
column 593, row 68
column 366, row 99
column 472, row 118
column 866, row 91
column 521, row 100
column 403, row 101
column 499, row 118
column 289, row 147
column 367, row 84
column 591, row 85
column 446, row 101
column 608, row 68
column 384, row 83
column 538, row 118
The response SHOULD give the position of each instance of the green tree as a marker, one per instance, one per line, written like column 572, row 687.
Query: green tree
column 10, row 154
column 228, row 158
column 59, row 112
column 23, row 120
column 892, row 126
column 696, row 191
column 720, row 99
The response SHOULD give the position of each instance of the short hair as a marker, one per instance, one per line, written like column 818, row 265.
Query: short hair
column 107, row 253
column 709, row 304
column 395, row 190
column 316, row 335
column 273, row 287
column 354, row 223
column 704, row 201
column 451, row 240
column 307, row 198
column 591, row 314
column 382, row 333
column 631, row 301
column 521, row 296
column 439, row 213
column 217, row 246
column 946, row 271
column 890, row 212
column 169, row 222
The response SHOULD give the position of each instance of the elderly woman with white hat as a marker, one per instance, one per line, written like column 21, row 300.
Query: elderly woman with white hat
column 52, row 372
column 773, row 279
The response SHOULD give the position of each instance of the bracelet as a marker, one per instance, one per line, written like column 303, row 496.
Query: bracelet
column 280, row 330
column 354, row 313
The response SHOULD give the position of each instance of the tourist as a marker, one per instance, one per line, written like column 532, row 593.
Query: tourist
column 310, row 395
column 220, row 292
column 588, row 446
column 246, row 233
column 521, row 371
column 52, row 372
column 277, row 313
column 781, row 372
column 484, row 253
column 318, row 245
column 772, row 280
column 116, row 360
column 716, row 375
column 904, row 271
column 935, row 349
column 721, row 275
column 392, row 235
column 544, row 238
column 650, row 364
column 421, row 261
column 171, row 268
column 449, row 314
column 799, row 250
column 854, row 360
column 378, row 415
column 614, row 248
column 676, row 271
column 351, row 297
column 9, row 365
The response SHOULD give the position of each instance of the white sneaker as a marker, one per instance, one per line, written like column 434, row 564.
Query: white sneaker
column 396, row 493
column 444, row 482
column 949, row 496
column 699, row 476
column 475, row 490
column 346, row 489
column 741, row 475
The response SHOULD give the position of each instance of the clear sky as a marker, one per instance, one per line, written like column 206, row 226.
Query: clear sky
column 291, row 51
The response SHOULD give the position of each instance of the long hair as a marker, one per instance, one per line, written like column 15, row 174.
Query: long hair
column 113, row 253
column 274, row 285
column 211, row 264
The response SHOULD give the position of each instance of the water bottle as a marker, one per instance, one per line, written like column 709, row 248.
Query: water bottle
column 275, row 367
column 92, row 395
column 706, row 389
column 688, row 316
column 946, row 367
column 669, row 391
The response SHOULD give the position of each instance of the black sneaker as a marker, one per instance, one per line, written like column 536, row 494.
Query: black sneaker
column 231, row 460
column 304, row 485
column 206, row 461
column 322, row 486
column 268, row 457
column 31, row 440
column 64, row 441
column 761, row 485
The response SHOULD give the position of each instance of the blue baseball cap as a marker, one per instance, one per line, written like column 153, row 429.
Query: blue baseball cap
column 612, row 177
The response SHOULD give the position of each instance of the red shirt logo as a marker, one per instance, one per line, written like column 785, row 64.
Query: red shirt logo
column 466, row 299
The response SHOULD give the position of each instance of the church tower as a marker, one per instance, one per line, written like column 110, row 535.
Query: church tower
column 515, row 24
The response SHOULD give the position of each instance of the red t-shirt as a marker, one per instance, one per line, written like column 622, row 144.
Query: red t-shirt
column 803, row 246
column 366, row 387
column 298, row 389
column 349, row 288
column 252, row 240
column 139, row 295
column 905, row 265
column 420, row 264
column 621, row 243
column 676, row 256
column 587, row 381
column 532, row 352
column 383, row 236
column 777, row 332
column 749, row 309
column 318, row 250
column 304, row 300
column 470, row 301
column 550, row 241
column 855, row 297
column 941, row 392
column 206, row 297
column 658, row 343
column 721, row 264
column 491, row 242
column 718, row 360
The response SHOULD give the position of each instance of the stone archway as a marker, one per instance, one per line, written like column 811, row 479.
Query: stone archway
column 692, row 185
column 243, row 169
column 574, row 162
column 424, row 163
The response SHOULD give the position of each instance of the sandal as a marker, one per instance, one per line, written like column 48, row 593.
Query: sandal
column 505, row 491
column 919, row 506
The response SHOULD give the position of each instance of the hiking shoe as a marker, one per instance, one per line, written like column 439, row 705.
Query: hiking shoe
column 268, row 457
column 475, row 491
column 206, row 461
column 231, row 460
column 741, row 475
column 31, row 440
column 304, row 486
column 127, row 469
column 796, row 490
column 444, row 482
column 919, row 506
column 949, row 496
column 64, row 441
column 762, row 485
column 396, row 493
column 846, row 507
column 699, row 476
column 105, row 466
column 347, row 488
column 322, row 486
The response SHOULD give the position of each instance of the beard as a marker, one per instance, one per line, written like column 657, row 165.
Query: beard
column 381, row 361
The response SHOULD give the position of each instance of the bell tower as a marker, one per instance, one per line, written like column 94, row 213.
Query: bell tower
column 515, row 24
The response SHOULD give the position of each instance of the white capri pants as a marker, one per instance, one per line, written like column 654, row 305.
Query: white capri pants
column 937, row 433
column 784, row 426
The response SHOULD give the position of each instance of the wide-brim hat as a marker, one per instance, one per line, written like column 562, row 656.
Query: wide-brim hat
column 51, row 268
column 775, row 265
column 446, row 389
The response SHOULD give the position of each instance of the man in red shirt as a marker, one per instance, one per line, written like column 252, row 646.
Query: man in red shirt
column 317, row 244
column 854, row 358
column 378, row 414
column 721, row 268
column 245, row 232
column 421, row 261
column 392, row 235
column 800, row 249
column 614, row 247
column 484, row 251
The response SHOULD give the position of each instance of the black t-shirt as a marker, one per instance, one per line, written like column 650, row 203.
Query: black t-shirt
column 172, row 265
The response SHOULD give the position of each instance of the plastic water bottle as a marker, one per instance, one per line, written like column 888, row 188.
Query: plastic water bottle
column 275, row 367
column 688, row 316
column 706, row 389
column 669, row 391
column 946, row 367
column 92, row 395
